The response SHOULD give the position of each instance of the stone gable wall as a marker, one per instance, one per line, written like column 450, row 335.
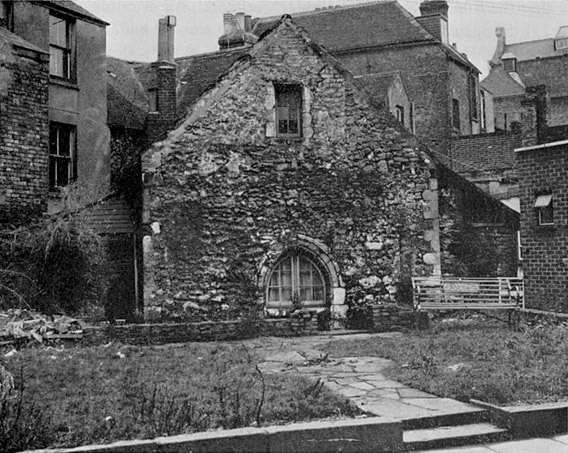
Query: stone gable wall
column 224, row 197
column 23, row 131
column 545, row 248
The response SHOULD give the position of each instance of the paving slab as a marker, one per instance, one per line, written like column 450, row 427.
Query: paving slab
column 530, row 446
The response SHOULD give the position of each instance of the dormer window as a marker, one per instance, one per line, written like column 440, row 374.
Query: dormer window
column 561, row 44
column 561, row 39
column 509, row 62
column 288, row 110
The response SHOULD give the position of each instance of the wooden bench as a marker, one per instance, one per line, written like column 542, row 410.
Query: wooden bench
column 453, row 293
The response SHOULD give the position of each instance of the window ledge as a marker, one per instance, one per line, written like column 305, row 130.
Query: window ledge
column 63, row 82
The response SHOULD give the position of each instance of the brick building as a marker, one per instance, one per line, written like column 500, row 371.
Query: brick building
column 544, row 218
column 76, row 133
column 516, row 66
column 287, row 185
column 24, row 79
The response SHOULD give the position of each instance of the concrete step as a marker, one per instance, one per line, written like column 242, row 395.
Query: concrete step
column 464, row 417
column 453, row 436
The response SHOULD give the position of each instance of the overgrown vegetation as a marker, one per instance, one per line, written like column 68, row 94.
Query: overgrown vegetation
column 104, row 394
column 464, row 359
column 54, row 264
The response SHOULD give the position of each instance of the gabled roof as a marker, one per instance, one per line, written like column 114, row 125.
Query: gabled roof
column 351, row 27
column 500, row 83
column 13, row 39
column 378, row 85
column 68, row 6
column 198, row 73
column 127, row 97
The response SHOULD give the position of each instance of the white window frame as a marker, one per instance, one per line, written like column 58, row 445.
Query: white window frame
column 544, row 203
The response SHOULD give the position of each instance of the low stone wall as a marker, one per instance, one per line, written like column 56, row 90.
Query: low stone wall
column 530, row 316
column 153, row 334
column 393, row 317
column 377, row 435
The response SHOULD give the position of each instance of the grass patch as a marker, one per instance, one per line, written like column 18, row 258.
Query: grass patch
column 464, row 359
column 104, row 394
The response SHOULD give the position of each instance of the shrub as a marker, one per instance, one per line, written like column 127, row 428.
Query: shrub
column 52, row 265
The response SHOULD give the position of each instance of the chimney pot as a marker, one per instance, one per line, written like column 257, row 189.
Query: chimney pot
column 248, row 23
column 166, row 39
column 240, row 21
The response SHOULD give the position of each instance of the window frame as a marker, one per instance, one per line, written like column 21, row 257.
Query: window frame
column 55, row 157
column 560, row 44
column 68, row 49
column 399, row 110
column 295, row 281
column 7, row 20
column 544, row 206
column 294, row 90
column 510, row 65
column 472, row 86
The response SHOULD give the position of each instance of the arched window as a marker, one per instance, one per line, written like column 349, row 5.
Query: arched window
column 296, row 280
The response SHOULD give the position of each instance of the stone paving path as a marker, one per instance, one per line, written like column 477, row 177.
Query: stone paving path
column 558, row 444
column 361, row 379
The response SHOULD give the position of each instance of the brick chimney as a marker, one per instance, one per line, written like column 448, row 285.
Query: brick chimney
column 236, row 31
column 500, row 50
column 434, row 18
column 534, row 118
column 162, row 88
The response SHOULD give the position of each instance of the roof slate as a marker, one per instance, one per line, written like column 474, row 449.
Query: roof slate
column 530, row 50
column 500, row 83
column 199, row 73
column 12, row 38
column 73, row 8
column 356, row 26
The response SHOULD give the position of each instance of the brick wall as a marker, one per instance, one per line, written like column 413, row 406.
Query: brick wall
column 23, row 131
column 431, row 80
column 164, row 118
column 545, row 248
column 225, row 198
column 553, row 73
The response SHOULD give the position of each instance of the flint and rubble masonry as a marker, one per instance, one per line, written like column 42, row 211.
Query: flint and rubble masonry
column 225, row 196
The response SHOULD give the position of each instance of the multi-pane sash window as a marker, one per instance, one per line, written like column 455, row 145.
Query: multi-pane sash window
column 288, row 109
column 61, row 154
column 60, row 47
column 296, row 278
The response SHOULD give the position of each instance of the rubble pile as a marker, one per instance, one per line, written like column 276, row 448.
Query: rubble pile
column 19, row 324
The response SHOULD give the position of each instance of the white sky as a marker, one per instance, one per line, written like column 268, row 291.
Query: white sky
column 133, row 33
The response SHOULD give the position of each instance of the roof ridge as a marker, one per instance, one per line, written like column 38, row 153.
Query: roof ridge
column 325, row 9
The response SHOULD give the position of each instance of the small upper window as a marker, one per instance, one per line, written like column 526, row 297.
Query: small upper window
column 289, row 110
column 6, row 16
column 545, row 209
column 456, row 123
column 61, row 63
column 472, row 88
column 400, row 113
column 510, row 64
column 61, row 154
